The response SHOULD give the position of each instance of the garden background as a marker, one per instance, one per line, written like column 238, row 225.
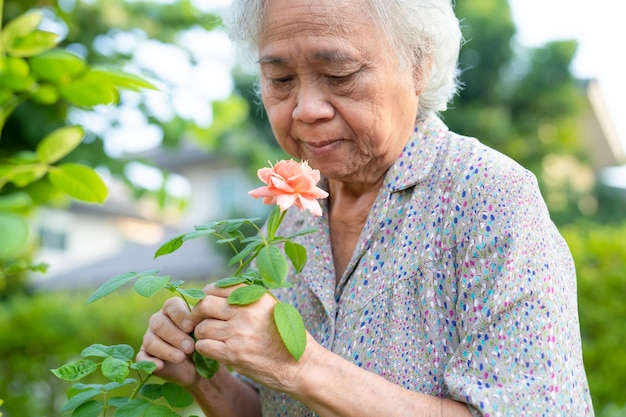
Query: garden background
column 523, row 101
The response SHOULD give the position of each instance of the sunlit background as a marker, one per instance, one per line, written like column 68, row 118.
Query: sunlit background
column 600, row 31
column 186, row 154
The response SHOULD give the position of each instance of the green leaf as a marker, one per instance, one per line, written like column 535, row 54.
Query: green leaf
column 21, row 37
column 272, row 266
column 152, row 391
column 115, row 369
column 58, row 65
column 14, row 83
column 176, row 396
column 46, row 94
column 32, row 44
column 14, row 66
column 79, row 182
column 192, row 293
column 84, row 93
column 226, row 240
column 133, row 408
column 75, row 370
column 144, row 366
column 123, row 352
column 78, row 387
column 253, row 276
column 159, row 411
column 197, row 234
column 230, row 281
column 297, row 255
column 120, row 79
column 59, row 143
column 252, row 246
column 88, row 409
column 14, row 232
column 111, row 285
column 79, row 399
column 148, row 286
column 18, row 200
column 22, row 175
column 118, row 402
column 170, row 246
column 232, row 225
column 205, row 367
column 273, row 221
column 14, row 76
column 208, row 226
column 291, row 328
column 23, row 24
column 246, row 295
column 303, row 232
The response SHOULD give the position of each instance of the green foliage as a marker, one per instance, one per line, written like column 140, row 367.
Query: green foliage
column 599, row 252
column 33, row 69
column 50, row 329
column 291, row 328
column 115, row 364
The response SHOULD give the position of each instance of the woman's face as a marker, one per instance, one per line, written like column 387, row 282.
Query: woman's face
column 333, row 88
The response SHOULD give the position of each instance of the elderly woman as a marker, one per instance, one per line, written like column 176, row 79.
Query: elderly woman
column 437, row 286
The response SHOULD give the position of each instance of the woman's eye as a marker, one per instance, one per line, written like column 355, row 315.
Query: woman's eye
column 340, row 80
column 281, row 81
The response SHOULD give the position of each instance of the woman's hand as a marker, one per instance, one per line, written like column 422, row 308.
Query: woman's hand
column 168, row 344
column 244, row 338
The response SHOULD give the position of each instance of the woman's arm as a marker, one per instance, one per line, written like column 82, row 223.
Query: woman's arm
column 332, row 386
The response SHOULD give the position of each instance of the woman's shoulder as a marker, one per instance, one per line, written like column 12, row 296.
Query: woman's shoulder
column 471, row 162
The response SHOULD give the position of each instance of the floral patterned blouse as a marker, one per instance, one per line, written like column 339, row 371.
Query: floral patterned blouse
column 460, row 286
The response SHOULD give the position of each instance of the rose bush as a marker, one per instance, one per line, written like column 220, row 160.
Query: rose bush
column 288, row 183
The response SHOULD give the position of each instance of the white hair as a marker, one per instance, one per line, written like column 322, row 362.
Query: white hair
column 425, row 34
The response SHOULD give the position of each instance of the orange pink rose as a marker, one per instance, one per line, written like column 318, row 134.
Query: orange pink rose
column 290, row 183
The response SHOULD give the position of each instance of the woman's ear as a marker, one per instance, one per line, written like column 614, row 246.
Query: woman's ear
column 421, row 74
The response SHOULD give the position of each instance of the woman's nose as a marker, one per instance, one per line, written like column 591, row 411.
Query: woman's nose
column 312, row 105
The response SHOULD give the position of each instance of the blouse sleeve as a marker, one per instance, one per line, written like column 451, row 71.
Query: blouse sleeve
column 520, row 348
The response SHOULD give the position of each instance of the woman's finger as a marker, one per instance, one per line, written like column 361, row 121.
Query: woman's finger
column 212, row 307
column 162, row 328
column 213, row 329
column 178, row 312
column 158, row 347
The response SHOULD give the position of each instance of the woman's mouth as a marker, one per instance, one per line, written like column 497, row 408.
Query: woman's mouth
column 322, row 148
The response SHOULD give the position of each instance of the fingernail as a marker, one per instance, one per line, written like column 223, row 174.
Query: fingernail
column 187, row 345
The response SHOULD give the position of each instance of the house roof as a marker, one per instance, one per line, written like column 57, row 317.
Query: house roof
column 602, row 138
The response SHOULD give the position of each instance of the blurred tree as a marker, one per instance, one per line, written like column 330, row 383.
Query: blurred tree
column 600, row 255
column 525, row 103
column 178, row 46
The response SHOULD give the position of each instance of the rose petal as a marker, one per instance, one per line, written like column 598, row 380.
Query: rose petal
column 310, row 204
column 285, row 201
